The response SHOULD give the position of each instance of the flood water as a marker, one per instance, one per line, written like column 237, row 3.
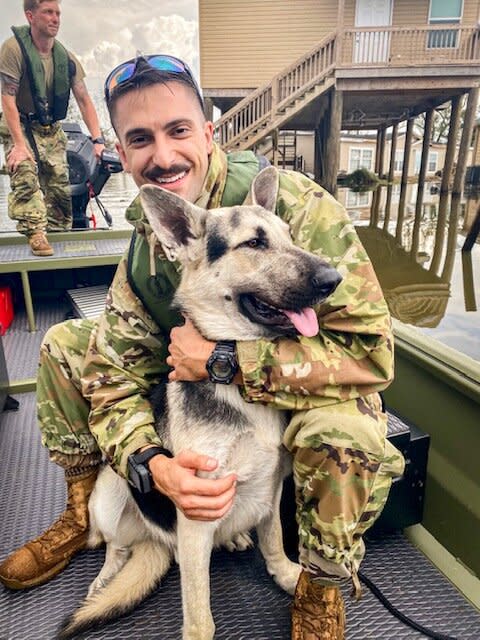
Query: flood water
column 116, row 195
column 427, row 283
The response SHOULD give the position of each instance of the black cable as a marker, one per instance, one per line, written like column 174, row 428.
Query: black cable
column 398, row 614
column 104, row 212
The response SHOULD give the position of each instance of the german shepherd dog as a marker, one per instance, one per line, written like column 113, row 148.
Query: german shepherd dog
column 241, row 279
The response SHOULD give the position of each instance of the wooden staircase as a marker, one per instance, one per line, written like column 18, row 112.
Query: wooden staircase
column 271, row 106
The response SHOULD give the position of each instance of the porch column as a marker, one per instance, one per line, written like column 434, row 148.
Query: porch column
column 391, row 175
column 458, row 181
column 379, row 161
column 440, row 231
column 319, row 152
column 332, row 145
column 472, row 201
column 427, row 133
column 208, row 102
column 274, row 147
column 404, row 181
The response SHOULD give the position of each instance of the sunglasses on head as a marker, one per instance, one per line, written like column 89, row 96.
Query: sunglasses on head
column 125, row 71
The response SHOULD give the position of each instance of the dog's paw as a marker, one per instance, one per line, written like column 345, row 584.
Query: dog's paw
column 240, row 542
column 286, row 575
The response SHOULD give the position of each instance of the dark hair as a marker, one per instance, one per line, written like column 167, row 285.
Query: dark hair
column 146, row 76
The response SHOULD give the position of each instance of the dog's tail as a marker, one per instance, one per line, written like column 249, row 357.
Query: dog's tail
column 136, row 580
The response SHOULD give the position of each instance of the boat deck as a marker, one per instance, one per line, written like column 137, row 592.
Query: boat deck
column 72, row 250
column 246, row 603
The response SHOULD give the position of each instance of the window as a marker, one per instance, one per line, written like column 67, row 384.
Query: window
column 418, row 159
column 360, row 157
column 444, row 12
column 398, row 165
column 432, row 161
column 396, row 192
column 355, row 199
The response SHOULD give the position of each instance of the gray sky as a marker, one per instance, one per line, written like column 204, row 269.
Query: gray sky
column 105, row 33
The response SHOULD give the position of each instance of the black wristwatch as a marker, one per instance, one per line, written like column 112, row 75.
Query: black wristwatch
column 139, row 475
column 222, row 365
column 99, row 140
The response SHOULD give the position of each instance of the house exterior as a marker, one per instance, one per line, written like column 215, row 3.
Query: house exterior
column 243, row 45
column 328, row 67
column 358, row 150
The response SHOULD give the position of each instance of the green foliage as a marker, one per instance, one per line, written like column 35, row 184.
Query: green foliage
column 360, row 180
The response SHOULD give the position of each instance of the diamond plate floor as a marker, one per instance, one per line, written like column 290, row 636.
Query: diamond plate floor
column 245, row 602
column 91, row 247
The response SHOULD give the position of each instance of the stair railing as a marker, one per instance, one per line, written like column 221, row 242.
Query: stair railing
column 262, row 106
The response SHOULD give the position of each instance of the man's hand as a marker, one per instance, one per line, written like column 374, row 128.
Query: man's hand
column 189, row 352
column 17, row 155
column 98, row 148
column 198, row 498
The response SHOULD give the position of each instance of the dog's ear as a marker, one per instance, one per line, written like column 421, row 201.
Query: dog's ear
column 174, row 221
column 265, row 188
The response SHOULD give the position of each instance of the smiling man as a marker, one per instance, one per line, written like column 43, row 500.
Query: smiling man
column 37, row 74
column 95, row 377
column 168, row 146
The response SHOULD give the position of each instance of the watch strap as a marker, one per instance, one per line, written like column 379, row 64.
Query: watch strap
column 144, row 456
column 99, row 140
column 226, row 346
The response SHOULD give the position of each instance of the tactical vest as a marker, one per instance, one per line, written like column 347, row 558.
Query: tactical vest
column 63, row 70
column 156, row 292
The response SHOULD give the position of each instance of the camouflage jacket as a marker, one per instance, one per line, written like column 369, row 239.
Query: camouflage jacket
column 351, row 356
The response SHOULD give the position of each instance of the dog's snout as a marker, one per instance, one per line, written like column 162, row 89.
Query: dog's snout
column 326, row 280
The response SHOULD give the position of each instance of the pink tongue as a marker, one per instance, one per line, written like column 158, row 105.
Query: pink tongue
column 305, row 321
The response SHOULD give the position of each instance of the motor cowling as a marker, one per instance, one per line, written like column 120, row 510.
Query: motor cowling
column 87, row 176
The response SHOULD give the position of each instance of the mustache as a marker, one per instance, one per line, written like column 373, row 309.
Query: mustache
column 158, row 172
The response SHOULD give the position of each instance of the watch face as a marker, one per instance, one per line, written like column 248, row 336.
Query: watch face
column 222, row 364
column 222, row 368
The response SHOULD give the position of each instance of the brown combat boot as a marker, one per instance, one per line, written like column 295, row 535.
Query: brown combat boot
column 41, row 559
column 39, row 244
column 318, row 611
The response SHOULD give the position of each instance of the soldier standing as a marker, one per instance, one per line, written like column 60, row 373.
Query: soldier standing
column 37, row 74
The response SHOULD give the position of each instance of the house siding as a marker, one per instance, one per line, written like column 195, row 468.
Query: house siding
column 243, row 44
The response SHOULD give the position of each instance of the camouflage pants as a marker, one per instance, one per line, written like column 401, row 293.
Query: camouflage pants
column 40, row 198
column 343, row 469
column 343, row 463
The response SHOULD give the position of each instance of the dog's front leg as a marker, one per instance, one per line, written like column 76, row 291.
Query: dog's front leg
column 270, row 540
column 195, row 542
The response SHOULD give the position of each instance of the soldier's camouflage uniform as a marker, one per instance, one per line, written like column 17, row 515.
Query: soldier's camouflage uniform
column 343, row 464
column 40, row 195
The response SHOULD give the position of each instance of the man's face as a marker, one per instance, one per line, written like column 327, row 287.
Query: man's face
column 45, row 19
column 164, row 138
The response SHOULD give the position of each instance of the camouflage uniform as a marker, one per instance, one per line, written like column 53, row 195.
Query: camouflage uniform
column 40, row 195
column 343, row 464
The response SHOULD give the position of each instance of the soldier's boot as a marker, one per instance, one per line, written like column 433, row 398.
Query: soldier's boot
column 43, row 558
column 318, row 611
column 39, row 244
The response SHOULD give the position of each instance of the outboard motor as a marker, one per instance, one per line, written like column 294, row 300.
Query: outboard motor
column 87, row 176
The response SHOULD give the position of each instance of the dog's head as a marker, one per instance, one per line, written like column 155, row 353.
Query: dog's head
column 242, row 277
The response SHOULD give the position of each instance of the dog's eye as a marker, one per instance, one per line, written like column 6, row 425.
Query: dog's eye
column 254, row 243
